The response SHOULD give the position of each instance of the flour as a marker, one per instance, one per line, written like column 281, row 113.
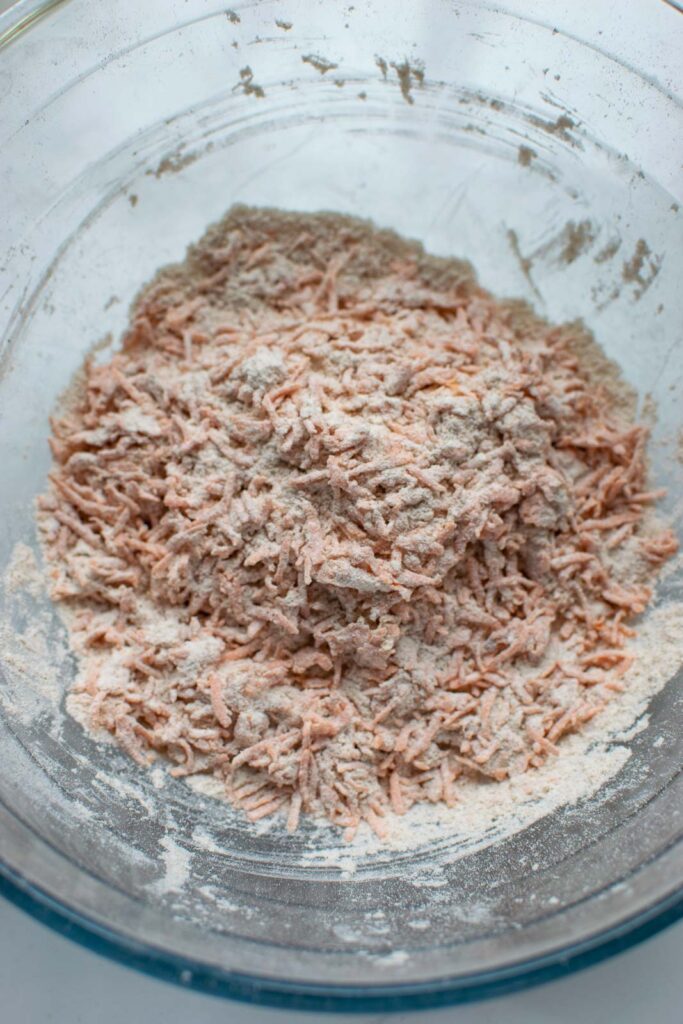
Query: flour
column 32, row 654
column 177, row 867
column 27, row 658
column 125, row 791
column 23, row 573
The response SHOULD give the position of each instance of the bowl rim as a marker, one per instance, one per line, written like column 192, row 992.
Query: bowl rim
column 334, row 998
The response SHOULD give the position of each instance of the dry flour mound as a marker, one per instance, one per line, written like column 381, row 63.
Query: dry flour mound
column 341, row 531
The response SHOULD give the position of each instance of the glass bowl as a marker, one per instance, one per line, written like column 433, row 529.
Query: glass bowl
column 541, row 142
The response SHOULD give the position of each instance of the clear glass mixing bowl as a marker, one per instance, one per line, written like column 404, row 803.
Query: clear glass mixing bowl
column 542, row 141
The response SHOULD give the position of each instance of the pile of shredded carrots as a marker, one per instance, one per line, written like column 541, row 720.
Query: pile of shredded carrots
column 339, row 528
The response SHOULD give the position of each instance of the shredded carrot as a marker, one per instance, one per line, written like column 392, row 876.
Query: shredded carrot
column 340, row 528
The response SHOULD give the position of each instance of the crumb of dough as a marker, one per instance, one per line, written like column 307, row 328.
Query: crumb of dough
column 340, row 530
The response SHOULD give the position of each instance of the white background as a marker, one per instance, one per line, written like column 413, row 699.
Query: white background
column 45, row 979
